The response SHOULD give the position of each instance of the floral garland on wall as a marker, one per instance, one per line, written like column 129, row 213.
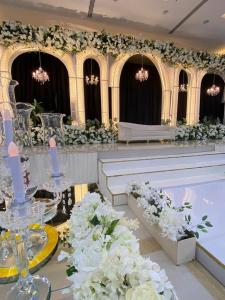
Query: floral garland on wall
column 175, row 222
column 68, row 40
column 104, row 262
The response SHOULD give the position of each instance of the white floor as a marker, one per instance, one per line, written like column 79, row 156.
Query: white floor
column 206, row 199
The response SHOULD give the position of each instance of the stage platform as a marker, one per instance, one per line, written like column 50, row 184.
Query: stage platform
column 81, row 161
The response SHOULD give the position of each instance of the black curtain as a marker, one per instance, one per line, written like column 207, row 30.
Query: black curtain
column 92, row 93
column 182, row 97
column 54, row 94
column 140, row 102
column 211, row 106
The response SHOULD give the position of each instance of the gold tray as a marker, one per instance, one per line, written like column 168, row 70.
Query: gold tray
column 10, row 274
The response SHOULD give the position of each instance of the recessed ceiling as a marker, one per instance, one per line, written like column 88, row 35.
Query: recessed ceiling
column 193, row 23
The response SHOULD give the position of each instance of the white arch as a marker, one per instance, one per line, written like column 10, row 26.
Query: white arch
column 10, row 53
column 115, row 73
column 103, row 66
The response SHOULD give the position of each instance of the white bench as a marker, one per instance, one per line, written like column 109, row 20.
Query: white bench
column 138, row 132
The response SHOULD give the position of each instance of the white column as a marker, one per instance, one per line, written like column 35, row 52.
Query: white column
column 116, row 103
column 104, row 101
column 73, row 98
column 167, row 105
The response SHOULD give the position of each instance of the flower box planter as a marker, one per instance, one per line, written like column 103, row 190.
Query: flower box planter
column 180, row 252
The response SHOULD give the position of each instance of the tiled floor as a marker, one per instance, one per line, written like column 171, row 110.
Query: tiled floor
column 191, row 281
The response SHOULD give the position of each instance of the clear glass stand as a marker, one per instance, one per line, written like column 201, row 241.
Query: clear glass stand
column 17, row 219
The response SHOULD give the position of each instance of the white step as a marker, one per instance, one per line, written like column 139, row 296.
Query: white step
column 149, row 164
column 161, row 171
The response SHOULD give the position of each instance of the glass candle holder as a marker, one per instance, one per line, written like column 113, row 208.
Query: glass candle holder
column 52, row 124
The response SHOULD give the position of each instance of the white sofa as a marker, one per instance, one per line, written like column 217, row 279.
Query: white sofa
column 137, row 132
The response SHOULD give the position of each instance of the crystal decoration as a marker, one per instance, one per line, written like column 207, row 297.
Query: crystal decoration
column 183, row 86
column 40, row 75
column 142, row 74
column 91, row 79
column 213, row 90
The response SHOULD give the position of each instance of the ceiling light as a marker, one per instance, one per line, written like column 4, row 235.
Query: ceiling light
column 40, row 75
column 142, row 74
column 223, row 16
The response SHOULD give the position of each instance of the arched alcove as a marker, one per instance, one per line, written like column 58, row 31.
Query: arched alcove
column 53, row 95
column 211, row 107
column 92, row 92
column 182, row 97
column 140, row 102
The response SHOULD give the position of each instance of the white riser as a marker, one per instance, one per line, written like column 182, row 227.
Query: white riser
column 165, row 175
column 151, row 165
column 143, row 150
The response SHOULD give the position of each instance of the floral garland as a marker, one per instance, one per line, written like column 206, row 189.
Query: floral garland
column 68, row 40
column 174, row 222
column 200, row 131
column 105, row 262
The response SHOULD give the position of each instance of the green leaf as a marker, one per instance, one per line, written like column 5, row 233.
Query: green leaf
column 200, row 226
column 204, row 230
column 95, row 221
column 208, row 224
column 189, row 218
column 204, row 218
column 111, row 227
column 197, row 235
column 71, row 270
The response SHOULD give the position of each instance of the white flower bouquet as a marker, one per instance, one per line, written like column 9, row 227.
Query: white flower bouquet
column 105, row 262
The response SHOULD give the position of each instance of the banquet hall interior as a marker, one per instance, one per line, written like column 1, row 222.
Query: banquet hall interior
column 112, row 149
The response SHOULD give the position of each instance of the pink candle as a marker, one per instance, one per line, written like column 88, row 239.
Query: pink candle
column 16, row 173
column 54, row 158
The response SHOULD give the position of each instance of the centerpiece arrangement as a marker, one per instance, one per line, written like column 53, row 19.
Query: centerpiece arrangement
column 105, row 262
column 171, row 226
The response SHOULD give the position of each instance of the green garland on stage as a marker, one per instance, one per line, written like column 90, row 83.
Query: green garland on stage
column 70, row 41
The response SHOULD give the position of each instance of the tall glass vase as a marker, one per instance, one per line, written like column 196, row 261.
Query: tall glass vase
column 7, row 132
column 23, row 124
column 17, row 219
column 52, row 124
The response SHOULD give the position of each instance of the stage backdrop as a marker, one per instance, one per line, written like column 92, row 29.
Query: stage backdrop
column 92, row 93
column 182, row 98
column 53, row 95
column 211, row 107
column 140, row 102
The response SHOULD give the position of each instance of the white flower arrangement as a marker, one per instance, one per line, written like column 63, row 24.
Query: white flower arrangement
column 72, row 135
column 200, row 131
column 105, row 263
column 175, row 222
column 70, row 41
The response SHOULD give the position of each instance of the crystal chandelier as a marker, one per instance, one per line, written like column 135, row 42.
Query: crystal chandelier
column 40, row 75
column 91, row 79
column 214, row 90
column 183, row 86
column 141, row 74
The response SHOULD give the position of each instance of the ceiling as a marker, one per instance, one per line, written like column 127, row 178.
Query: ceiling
column 202, row 27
